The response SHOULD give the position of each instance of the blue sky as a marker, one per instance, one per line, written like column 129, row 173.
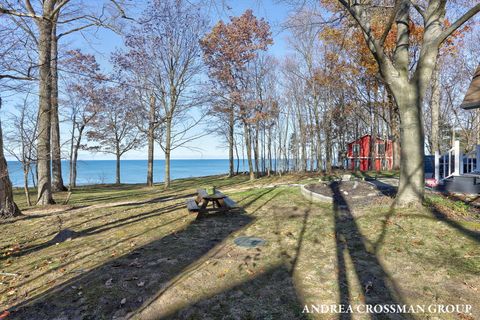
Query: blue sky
column 106, row 41
column 103, row 42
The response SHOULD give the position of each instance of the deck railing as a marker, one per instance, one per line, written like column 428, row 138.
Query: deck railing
column 450, row 163
column 455, row 163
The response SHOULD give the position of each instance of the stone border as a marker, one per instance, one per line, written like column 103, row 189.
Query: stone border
column 313, row 196
column 317, row 197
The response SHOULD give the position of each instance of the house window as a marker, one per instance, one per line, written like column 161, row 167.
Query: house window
column 356, row 150
column 380, row 149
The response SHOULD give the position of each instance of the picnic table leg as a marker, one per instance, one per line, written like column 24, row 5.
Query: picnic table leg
column 221, row 205
column 203, row 208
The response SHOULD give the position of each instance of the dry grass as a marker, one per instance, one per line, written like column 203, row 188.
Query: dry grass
column 136, row 252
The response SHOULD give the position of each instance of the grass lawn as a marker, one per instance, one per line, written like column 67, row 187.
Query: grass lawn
column 130, row 251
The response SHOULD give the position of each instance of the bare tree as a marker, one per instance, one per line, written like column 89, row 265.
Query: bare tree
column 167, row 43
column 85, row 92
column 21, row 141
column 113, row 129
column 8, row 208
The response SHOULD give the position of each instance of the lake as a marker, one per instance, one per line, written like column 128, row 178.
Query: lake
column 132, row 171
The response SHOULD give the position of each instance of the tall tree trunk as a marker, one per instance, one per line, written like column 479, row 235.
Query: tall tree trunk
column 248, row 146
column 26, row 172
column 117, row 171
column 256, row 150
column 168, row 147
column 151, row 141
column 412, row 180
column 269, row 150
column 238, row 156
column 394, row 124
column 72, row 144
column 8, row 208
column 45, row 107
column 231, row 132
column 435, row 105
column 74, row 162
column 328, row 147
column 57, row 179
column 373, row 134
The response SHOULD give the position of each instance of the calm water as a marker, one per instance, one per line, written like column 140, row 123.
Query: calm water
column 132, row 171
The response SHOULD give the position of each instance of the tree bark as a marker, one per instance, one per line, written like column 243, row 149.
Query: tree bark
column 74, row 160
column 435, row 106
column 151, row 141
column 231, row 132
column 8, row 208
column 168, row 147
column 248, row 146
column 45, row 108
column 57, row 179
column 256, row 150
column 412, row 177
column 117, row 171
column 269, row 150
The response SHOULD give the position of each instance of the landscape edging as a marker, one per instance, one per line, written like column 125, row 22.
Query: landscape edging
column 314, row 197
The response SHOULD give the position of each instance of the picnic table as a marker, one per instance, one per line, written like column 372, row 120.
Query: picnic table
column 219, row 201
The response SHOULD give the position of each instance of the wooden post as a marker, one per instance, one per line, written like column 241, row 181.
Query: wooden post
column 437, row 165
column 458, row 158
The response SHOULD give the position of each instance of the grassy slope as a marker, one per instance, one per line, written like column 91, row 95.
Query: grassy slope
column 140, row 244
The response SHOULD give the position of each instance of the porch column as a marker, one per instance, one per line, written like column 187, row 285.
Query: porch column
column 437, row 165
column 458, row 159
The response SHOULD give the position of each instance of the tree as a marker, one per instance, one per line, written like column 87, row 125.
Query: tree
column 21, row 141
column 44, row 22
column 408, row 84
column 164, row 50
column 85, row 93
column 113, row 129
column 227, row 50
column 8, row 208
column 45, row 16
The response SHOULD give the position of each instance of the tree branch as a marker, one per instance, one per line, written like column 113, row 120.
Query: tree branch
column 18, row 13
column 418, row 8
column 9, row 76
column 120, row 9
column 76, row 29
column 469, row 14
column 390, row 22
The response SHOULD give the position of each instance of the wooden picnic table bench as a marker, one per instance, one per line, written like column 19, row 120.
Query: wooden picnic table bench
column 220, row 202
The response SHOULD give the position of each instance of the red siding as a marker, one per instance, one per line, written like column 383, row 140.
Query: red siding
column 363, row 158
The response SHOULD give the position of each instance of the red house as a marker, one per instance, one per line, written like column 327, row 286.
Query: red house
column 358, row 154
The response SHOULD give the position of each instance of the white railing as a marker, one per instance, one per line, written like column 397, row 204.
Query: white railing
column 450, row 163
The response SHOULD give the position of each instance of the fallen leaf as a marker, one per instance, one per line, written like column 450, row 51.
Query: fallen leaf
column 123, row 301
column 141, row 283
column 108, row 283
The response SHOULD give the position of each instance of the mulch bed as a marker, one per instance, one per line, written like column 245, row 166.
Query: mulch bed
column 359, row 192
column 348, row 189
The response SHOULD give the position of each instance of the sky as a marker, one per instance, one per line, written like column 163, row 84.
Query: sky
column 103, row 42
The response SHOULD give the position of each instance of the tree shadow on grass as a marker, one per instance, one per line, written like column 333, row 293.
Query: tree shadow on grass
column 472, row 234
column 269, row 295
column 69, row 234
column 122, row 285
column 377, row 286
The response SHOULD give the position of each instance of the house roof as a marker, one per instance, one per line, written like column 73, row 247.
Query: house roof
column 472, row 98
